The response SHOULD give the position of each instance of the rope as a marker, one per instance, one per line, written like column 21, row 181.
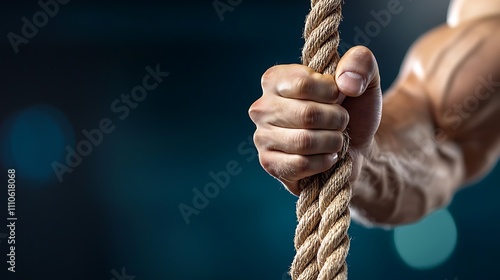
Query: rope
column 321, row 240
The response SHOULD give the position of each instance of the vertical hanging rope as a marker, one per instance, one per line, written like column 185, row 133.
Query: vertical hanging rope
column 321, row 240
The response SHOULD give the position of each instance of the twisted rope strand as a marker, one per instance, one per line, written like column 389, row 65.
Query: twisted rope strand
column 321, row 240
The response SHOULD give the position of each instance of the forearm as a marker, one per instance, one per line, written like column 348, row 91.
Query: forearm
column 407, row 173
column 395, row 188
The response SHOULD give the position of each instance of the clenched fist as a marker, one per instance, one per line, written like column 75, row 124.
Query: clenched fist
column 302, row 114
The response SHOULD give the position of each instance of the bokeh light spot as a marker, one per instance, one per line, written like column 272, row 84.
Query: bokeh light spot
column 33, row 139
column 429, row 243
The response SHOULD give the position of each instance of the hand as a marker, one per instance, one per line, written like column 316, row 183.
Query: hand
column 300, row 124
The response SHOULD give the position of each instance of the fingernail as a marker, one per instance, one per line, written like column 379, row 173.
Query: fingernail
column 351, row 82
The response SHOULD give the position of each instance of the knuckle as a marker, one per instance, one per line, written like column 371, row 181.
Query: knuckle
column 325, row 163
column 301, row 164
column 337, row 141
column 264, row 161
column 264, row 139
column 304, row 85
column 309, row 115
column 267, row 164
column 258, row 139
column 254, row 112
column 257, row 110
column 342, row 118
column 267, row 77
column 304, row 141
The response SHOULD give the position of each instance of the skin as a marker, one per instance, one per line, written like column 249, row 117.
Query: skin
column 432, row 133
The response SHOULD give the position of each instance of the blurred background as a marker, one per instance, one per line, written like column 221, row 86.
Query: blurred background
column 109, row 187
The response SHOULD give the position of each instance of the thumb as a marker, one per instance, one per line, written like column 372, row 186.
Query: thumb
column 357, row 72
column 358, row 78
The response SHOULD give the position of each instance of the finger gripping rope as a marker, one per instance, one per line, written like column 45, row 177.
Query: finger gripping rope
column 321, row 240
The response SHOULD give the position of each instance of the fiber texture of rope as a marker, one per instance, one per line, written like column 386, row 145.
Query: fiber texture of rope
column 321, row 239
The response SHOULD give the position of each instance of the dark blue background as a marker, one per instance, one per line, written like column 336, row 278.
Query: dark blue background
column 119, row 207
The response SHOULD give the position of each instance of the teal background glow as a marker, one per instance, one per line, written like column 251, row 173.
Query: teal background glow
column 119, row 208
column 428, row 243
